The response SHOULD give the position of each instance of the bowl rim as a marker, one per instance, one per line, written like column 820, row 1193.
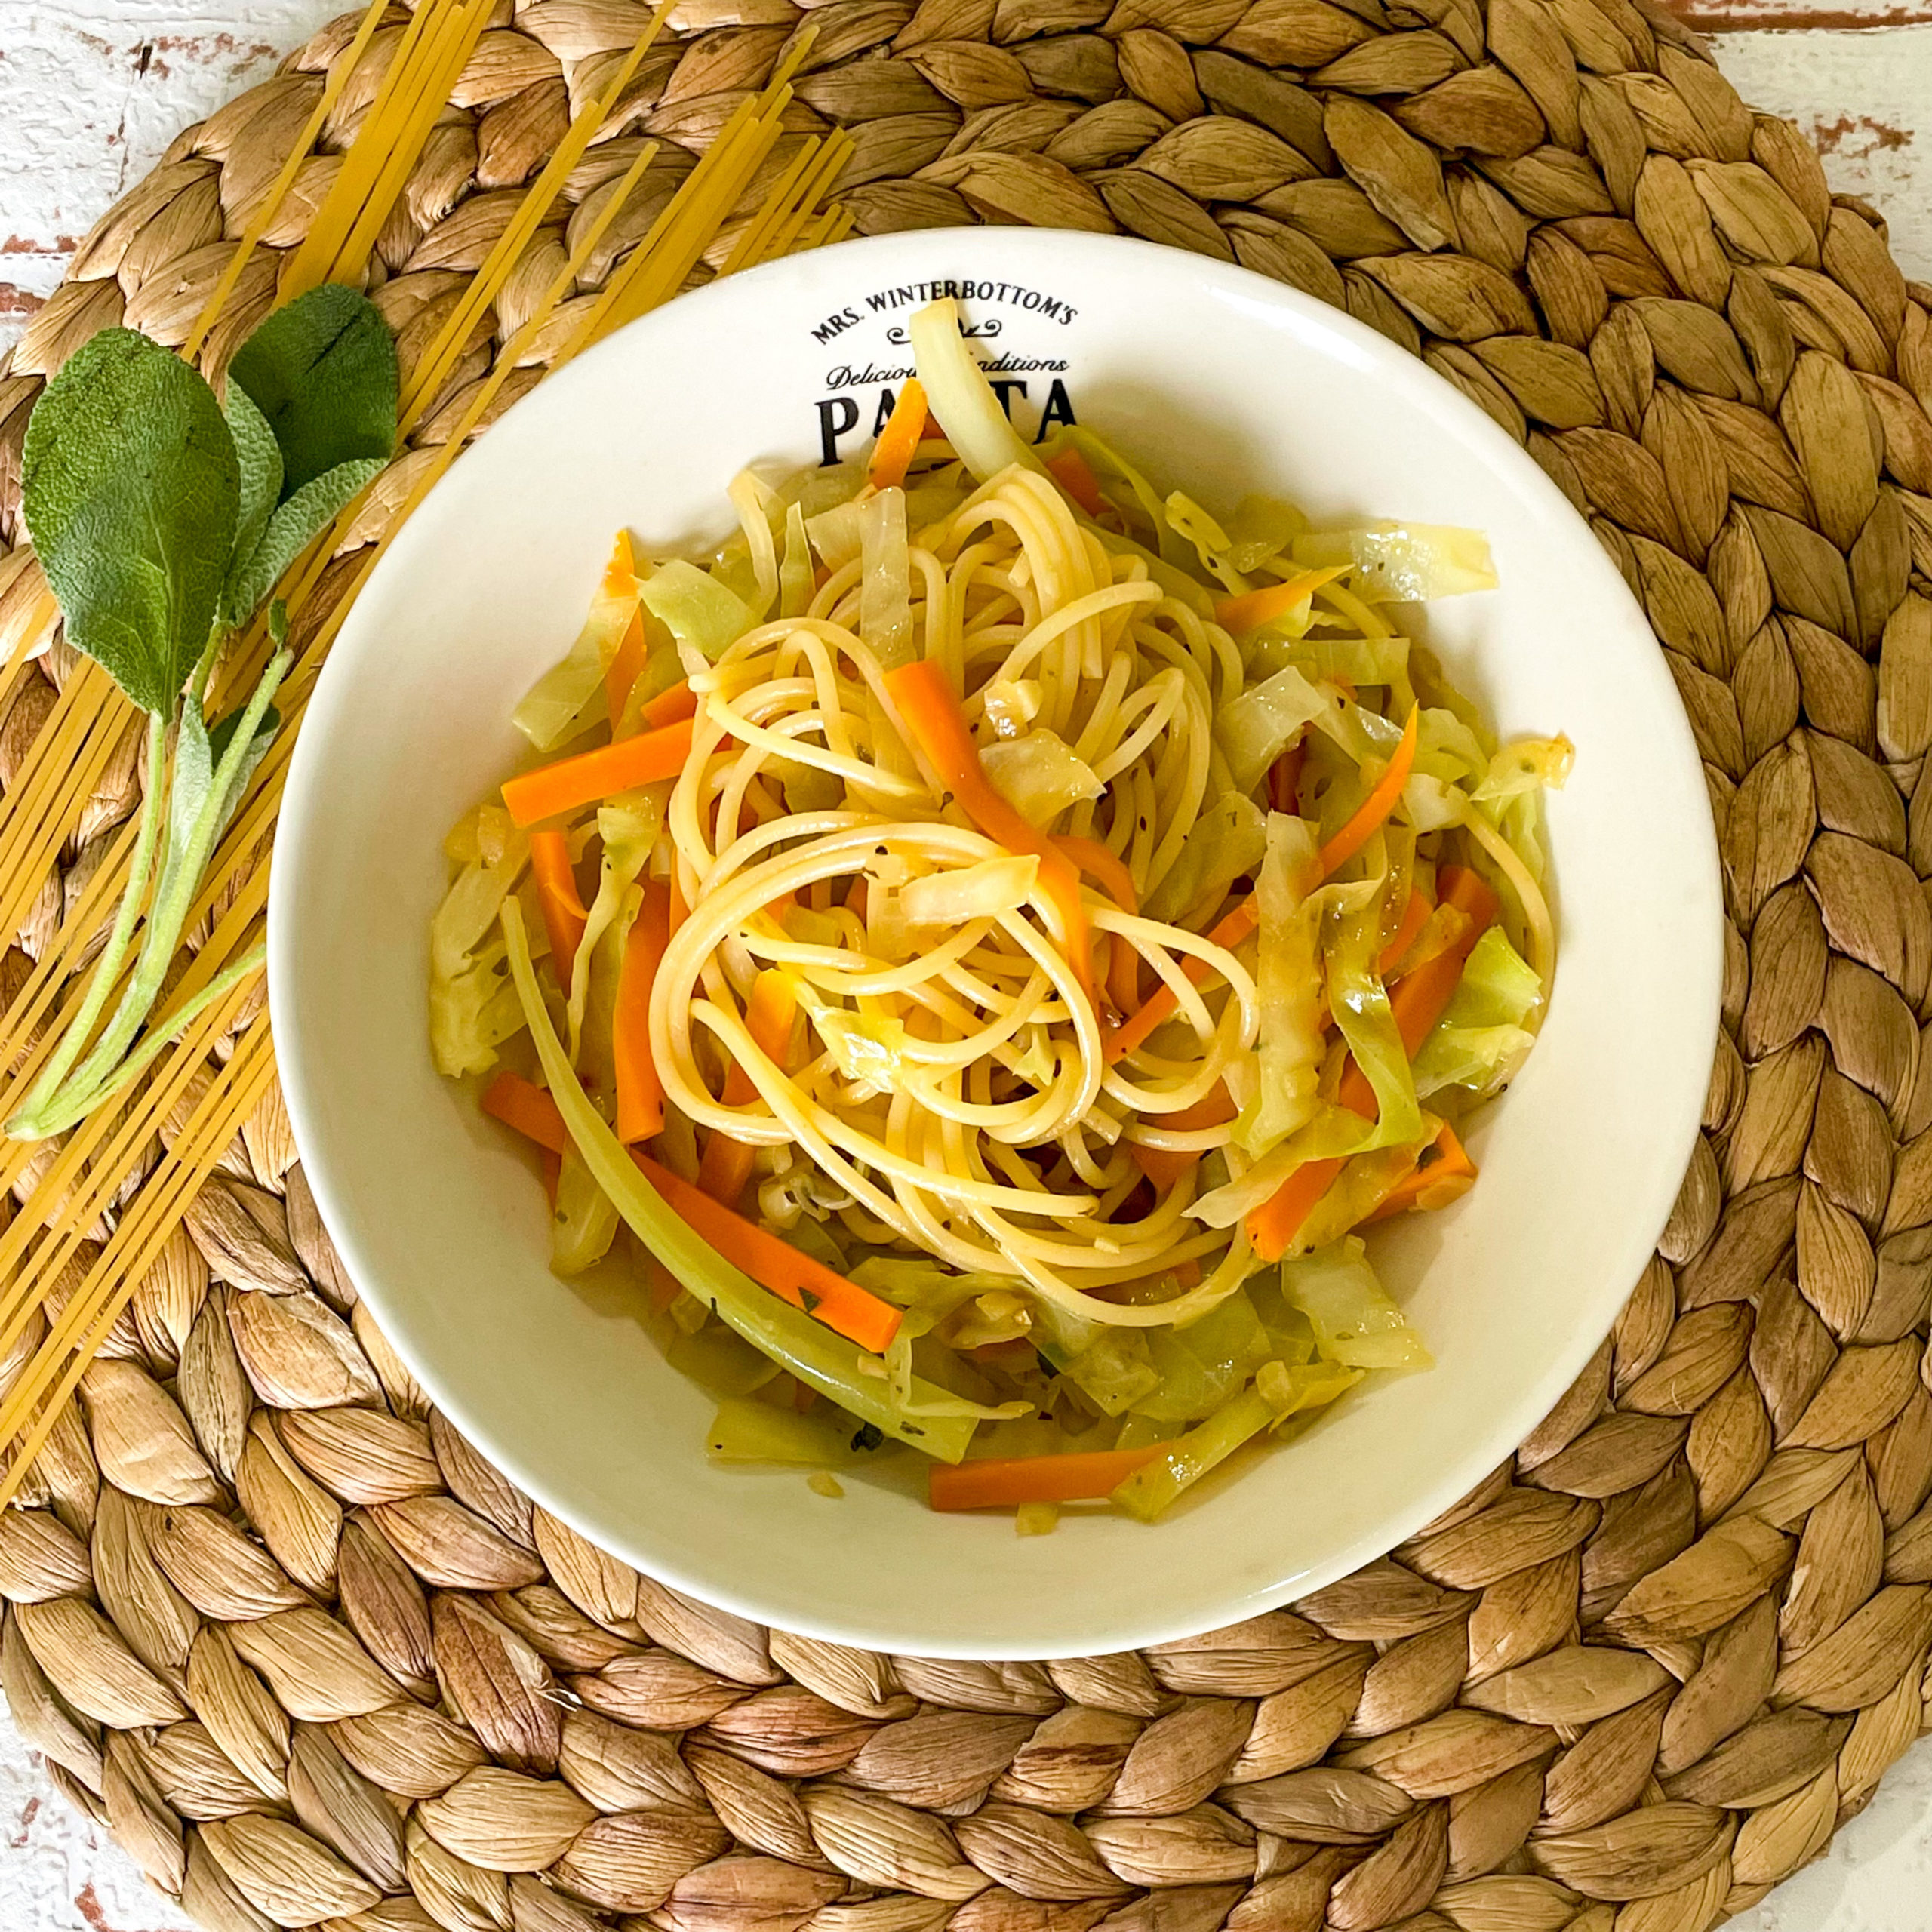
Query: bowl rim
column 1701, row 959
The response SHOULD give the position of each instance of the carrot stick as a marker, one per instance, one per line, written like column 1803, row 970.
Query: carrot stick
column 640, row 1092
column 1254, row 607
column 996, row 1484
column 1123, row 962
column 842, row 1305
column 671, row 707
column 1069, row 470
column 898, row 441
column 1162, row 1004
column 1164, row 1166
column 1415, row 910
column 564, row 913
column 1374, row 810
column 622, row 673
column 727, row 1163
column 932, row 716
column 1417, row 1001
column 551, row 789
column 1444, row 1175
column 793, row 1277
column 1284, row 778
column 521, row 1104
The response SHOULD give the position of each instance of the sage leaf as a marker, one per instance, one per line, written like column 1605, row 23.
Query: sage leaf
column 130, row 488
column 289, row 532
column 323, row 371
column 260, row 457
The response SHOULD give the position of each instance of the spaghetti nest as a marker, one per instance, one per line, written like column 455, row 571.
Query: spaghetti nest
column 953, row 1091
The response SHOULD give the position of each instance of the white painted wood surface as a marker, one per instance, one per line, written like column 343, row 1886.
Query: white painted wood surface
column 92, row 90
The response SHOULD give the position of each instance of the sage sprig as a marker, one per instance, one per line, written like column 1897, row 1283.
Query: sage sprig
column 161, row 518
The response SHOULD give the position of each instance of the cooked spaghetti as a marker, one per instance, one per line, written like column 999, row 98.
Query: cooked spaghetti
column 1036, row 925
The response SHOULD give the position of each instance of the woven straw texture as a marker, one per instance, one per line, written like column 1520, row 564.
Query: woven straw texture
column 311, row 1660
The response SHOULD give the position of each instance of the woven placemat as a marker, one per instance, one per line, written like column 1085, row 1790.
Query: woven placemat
column 310, row 1660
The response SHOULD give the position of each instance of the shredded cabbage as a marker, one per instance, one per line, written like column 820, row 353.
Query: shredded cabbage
column 1038, row 775
column 1355, row 1322
column 1289, row 981
column 1360, row 1004
column 984, row 891
column 1256, row 729
column 1405, row 563
column 795, row 573
column 838, row 534
column 1201, row 1365
column 583, row 1223
column 472, row 1006
column 1525, row 765
column 1481, row 1040
column 1224, row 843
column 885, row 591
column 754, row 500
column 1262, row 528
column 698, row 610
column 748, row 1432
column 1115, row 1370
column 1291, row 1389
column 1187, row 518
column 569, row 697
column 1354, row 660
column 960, row 397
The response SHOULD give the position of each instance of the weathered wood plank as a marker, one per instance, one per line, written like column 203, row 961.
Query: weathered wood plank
column 1864, row 94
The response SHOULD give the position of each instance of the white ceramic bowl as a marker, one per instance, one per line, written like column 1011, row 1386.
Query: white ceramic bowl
column 1220, row 382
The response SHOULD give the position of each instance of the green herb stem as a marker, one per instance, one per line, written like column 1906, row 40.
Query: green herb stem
column 25, row 1124
column 75, row 1106
column 181, row 875
column 53, row 1108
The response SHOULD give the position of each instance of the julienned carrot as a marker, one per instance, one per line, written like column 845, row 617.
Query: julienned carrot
column 552, row 789
column 1162, row 1004
column 774, row 1264
column 521, row 1104
column 842, row 1305
column 1164, row 1166
column 1237, row 614
column 1123, row 962
column 999, row 1484
column 564, row 913
column 670, row 707
column 727, row 1163
column 924, row 696
column 1415, row 910
column 1373, row 811
column 623, row 671
column 898, row 441
column 640, row 1092
column 1069, row 470
column 1416, row 1001
column 1444, row 1173
column 1093, row 859
column 1284, row 779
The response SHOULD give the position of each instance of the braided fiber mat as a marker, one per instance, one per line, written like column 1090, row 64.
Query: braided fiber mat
column 310, row 1660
